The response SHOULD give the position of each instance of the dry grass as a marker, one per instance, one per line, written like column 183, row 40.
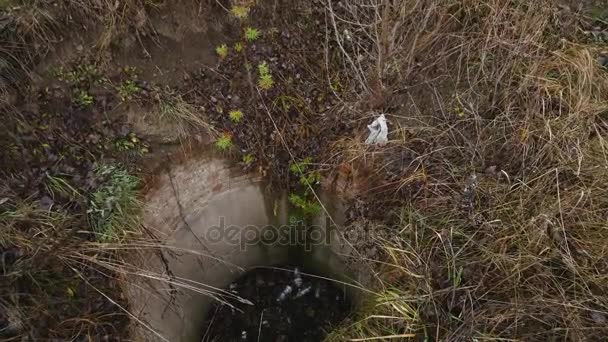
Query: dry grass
column 184, row 116
column 40, row 292
column 503, row 91
column 50, row 268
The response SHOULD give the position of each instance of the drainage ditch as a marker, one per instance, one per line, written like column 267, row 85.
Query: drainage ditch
column 235, row 265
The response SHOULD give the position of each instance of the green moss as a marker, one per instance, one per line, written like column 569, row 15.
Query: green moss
column 252, row 34
column 222, row 51
column 235, row 115
column 265, row 80
column 240, row 12
column 223, row 142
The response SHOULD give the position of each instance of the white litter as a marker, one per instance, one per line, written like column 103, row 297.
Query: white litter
column 297, row 278
column 285, row 293
column 303, row 292
column 378, row 131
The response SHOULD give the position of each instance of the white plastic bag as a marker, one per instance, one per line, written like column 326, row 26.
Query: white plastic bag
column 378, row 132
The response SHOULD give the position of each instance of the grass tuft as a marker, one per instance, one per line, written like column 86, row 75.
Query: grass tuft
column 174, row 109
column 113, row 207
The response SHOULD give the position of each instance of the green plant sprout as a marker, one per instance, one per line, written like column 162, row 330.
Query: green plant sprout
column 235, row 115
column 251, row 34
column 222, row 51
column 298, row 168
column 240, row 12
column 263, row 69
column 310, row 179
column 131, row 143
column 130, row 71
column 248, row 159
column 238, row 47
column 223, row 142
column 78, row 74
column 83, row 99
column 265, row 81
column 308, row 207
column 127, row 89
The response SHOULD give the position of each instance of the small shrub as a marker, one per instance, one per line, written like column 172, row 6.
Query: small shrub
column 307, row 179
column 224, row 142
column 80, row 74
column 252, row 34
column 235, row 115
column 222, row 51
column 238, row 47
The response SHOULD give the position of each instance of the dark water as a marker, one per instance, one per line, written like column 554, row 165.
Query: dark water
column 287, row 306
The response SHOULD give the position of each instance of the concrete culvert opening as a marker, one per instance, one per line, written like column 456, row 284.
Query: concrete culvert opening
column 233, row 254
